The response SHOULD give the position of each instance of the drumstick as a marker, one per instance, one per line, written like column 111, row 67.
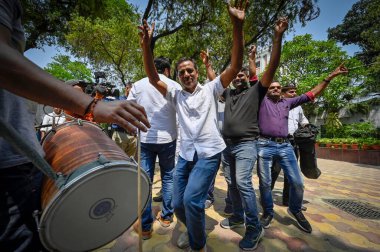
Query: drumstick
column 139, row 189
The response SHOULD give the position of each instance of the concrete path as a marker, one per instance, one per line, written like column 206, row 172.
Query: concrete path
column 333, row 229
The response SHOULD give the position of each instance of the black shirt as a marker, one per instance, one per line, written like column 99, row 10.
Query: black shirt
column 241, row 112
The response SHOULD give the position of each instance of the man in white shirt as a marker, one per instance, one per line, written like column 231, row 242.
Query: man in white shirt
column 54, row 118
column 296, row 118
column 159, row 140
column 201, row 141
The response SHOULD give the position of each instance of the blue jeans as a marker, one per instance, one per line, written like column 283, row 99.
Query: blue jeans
column 19, row 198
column 270, row 151
column 192, row 180
column 238, row 160
column 166, row 154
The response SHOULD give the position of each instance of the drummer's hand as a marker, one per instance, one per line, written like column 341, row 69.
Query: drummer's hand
column 126, row 114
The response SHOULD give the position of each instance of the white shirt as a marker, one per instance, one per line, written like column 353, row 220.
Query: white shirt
column 296, row 118
column 198, row 120
column 160, row 113
column 48, row 119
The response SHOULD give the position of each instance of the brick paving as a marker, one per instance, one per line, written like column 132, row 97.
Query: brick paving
column 333, row 229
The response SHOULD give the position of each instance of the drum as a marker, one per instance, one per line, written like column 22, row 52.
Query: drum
column 94, row 200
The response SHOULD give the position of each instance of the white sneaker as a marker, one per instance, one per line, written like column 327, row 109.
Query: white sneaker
column 183, row 241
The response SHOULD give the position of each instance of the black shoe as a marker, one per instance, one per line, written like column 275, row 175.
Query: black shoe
column 230, row 224
column 301, row 221
column 157, row 198
column 251, row 238
column 286, row 203
column 228, row 211
column 265, row 220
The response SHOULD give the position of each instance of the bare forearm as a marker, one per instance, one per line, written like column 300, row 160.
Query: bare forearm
column 237, row 55
column 151, row 71
column 252, row 67
column 24, row 78
column 210, row 72
column 274, row 61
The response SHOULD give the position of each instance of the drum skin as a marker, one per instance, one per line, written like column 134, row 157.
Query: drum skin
column 72, row 146
column 99, row 200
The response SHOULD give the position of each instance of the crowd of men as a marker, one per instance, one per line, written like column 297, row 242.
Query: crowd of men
column 255, row 129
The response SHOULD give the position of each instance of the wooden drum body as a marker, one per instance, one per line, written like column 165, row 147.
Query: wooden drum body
column 97, row 196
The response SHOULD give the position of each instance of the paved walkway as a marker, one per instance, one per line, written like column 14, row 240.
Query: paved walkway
column 333, row 229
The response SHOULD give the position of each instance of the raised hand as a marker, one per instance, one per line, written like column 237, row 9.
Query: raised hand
column 341, row 69
column 205, row 57
column 252, row 52
column 146, row 33
column 281, row 25
column 237, row 13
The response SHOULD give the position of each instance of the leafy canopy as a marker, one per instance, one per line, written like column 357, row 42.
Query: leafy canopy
column 306, row 62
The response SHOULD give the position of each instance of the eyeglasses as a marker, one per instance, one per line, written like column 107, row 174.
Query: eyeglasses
column 275, row 87
column 182, row 72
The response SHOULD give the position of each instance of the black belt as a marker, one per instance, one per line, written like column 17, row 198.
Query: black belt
column 276, row 139
column 236, row 140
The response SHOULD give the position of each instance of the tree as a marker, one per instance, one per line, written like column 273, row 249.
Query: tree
column 195, row 25
column 111, row 44
column 45, row 20
column 64, row 69
column 306, row 62
column 361, row 26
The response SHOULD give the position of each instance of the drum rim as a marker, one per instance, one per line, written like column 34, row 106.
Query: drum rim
column 61, row 193
column 68, row 124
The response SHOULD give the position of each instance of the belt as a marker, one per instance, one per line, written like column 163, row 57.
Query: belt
column 235, row 140
column 276, row 139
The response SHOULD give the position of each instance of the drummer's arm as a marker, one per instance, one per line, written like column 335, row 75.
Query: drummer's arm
column 22, row 77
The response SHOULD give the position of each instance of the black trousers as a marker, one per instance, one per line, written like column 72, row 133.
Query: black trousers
column 19, row 198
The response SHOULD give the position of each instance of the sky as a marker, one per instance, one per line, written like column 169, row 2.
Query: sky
column 332, row 14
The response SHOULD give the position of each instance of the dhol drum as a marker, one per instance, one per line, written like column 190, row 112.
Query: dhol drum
column 94, row 200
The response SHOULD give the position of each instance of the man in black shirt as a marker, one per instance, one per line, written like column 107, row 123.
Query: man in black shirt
column 240, row 131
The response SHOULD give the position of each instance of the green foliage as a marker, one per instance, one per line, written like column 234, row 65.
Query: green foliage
column 363, row 129
column 183, row 28
column 307, row 62
column 361, row 26
column 332, row 124
column 45, row 20
column 64, row 69
column 109, row 44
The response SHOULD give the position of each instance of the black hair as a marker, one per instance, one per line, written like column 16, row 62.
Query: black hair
column 162, row 63
column 245, row 70
column 183, row 59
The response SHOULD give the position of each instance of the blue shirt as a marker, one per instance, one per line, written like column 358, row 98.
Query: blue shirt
column 273, row 116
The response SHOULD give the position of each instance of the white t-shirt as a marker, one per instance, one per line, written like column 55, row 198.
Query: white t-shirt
column 161, row 114
column 198, row 119
column 48, row 119
column 296, row 117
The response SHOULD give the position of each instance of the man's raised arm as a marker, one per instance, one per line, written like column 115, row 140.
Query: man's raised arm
column 206, row 61
column 321, row 86
column 237, row 15
column 280, row 27
column 252, row 61
column 146, row 34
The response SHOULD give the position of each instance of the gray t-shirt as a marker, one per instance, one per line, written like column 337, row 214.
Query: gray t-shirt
column 16, row 111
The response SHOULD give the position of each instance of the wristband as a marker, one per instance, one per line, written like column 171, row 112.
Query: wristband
column 89, row 113
column 326, row 80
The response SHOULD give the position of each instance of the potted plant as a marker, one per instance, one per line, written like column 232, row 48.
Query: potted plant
column 354, row 144
column 345, row 143
column 376, row 145
column 336, row 143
